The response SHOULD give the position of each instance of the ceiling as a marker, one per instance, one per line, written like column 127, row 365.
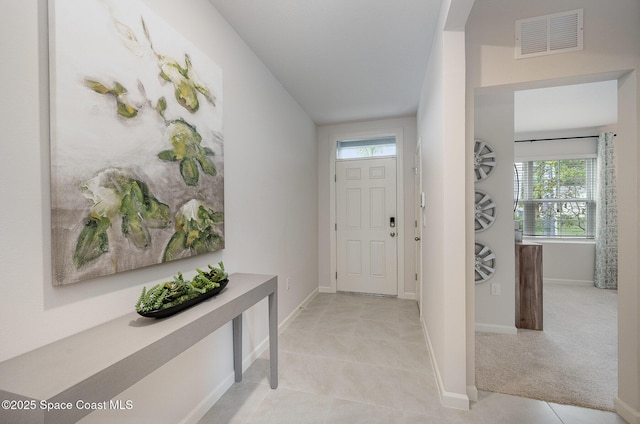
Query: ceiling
column 566, row 107
column 342, row 60
column 349, row 60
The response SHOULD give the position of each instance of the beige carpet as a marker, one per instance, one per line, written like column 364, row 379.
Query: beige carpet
column 573, row 361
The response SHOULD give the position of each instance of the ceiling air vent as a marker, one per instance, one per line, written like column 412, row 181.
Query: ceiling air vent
column 550, row 34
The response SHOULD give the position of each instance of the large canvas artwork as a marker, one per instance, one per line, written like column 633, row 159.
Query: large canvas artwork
column 136, row 141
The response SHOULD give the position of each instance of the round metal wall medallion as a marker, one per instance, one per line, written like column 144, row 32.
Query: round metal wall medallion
column 485, row 211
column 485, row 264
column 484, row 160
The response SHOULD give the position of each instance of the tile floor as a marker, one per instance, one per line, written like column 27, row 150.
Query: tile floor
column 363, row 359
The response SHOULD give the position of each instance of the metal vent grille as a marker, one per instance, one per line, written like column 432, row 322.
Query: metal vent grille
column 543, row 35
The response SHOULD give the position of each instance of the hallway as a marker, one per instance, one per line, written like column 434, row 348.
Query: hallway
column 362, row 359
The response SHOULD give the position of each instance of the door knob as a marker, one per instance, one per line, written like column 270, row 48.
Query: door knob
column 417, row 239
column 392, row 234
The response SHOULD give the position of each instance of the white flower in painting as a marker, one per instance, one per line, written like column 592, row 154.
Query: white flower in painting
column 106, row 201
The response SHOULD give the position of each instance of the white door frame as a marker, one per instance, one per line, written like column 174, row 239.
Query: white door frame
column 419, row 208
column 398, row 133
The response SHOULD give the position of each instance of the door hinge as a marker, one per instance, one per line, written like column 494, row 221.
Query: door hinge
column 336, row 275
column 416, row 277
column 335, row 178
column 415, row 224
column 336, row 226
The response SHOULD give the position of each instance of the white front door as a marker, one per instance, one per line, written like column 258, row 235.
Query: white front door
column 367, row 226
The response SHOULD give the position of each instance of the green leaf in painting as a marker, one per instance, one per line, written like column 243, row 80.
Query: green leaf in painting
column 97, row 87
column 125, row 110
column 196, row 231
column 92, row 241
column 189, row 171
column 206, row 165
column 168, row 155
column 118, row 89
column 134, row 229
column 161, row 106
column 175, row 247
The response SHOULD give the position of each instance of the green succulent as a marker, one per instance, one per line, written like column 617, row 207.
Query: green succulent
column 172, row 293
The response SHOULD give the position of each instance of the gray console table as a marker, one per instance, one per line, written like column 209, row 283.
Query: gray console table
column 99, row 363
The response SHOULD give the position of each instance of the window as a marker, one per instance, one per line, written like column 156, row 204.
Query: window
column 556, row 198
column 366, row 148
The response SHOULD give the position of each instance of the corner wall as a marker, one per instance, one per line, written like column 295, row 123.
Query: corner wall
column 446, row 251
column 270, row 210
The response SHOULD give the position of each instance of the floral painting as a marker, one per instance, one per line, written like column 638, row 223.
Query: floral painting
column 137, row 173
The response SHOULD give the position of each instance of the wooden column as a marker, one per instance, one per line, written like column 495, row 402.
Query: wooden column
column 529, row 286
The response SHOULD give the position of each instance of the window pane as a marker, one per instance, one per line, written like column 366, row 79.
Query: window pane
column 366, row 148
column 555, row 198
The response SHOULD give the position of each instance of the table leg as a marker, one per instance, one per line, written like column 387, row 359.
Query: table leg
column 273, row 338
column 237, row 347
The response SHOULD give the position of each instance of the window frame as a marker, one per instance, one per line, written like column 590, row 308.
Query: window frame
column 528, row 204
column 367, row 143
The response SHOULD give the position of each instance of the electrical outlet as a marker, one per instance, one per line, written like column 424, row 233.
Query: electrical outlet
column 495, row 289
column 288, row 283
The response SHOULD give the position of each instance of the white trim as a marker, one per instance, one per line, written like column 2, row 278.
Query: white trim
column 472, row 392
column 207, row 403
column 565, row 282
column 288, row 320
column 325, row 289
column 408, row 296
column 447, row 399
column 494, row 328
column 631, row 415
column 333, row 139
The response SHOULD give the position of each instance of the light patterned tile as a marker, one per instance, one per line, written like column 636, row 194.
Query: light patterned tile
column 576, row 415
column 284, row 406
column 411, row 356
column 336, row 325
column 237, row 405
column 311, row 374
column 495, row 408
column 347, row 412
column 370, row 384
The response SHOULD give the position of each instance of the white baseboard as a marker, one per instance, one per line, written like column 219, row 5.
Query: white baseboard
column 210, row 400
column 293, row 315
column 493, row 328
column 207, row 403
column 324, row 289
column 448, row 399
column 630, row 415
column 472, row 392
column 565, row 282
column 408, row 296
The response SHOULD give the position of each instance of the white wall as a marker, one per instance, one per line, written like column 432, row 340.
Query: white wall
column 446, row 249
column 270, row 206
column 326, row 168
column 494, row 125
column 611, row 51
